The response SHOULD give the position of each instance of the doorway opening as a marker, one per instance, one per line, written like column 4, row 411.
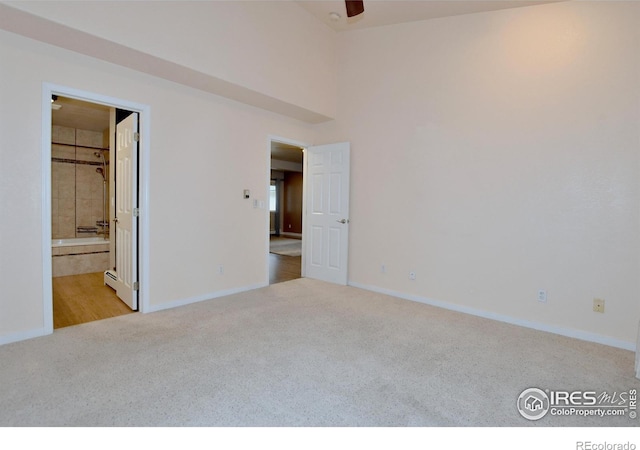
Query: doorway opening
column 85, row 170
column 285, row 212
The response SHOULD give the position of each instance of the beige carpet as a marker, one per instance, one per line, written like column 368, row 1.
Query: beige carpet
column 300, row 353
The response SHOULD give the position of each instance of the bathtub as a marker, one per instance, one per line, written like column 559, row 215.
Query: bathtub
column 78, row 241
column 79, row 255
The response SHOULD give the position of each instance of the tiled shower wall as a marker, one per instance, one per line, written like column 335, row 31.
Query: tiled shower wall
column 76, row 187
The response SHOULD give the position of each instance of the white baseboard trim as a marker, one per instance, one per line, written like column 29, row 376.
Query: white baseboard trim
column 30, row 334
column 24, row 335
column 201, row 298
column 568, row 332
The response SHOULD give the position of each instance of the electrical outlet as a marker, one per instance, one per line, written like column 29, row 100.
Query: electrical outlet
column 598, row 305
column 542, row 296
column 412, row 275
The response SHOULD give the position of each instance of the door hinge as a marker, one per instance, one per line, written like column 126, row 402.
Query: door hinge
column 136, row 285
column 136, row 212
column 136, row 137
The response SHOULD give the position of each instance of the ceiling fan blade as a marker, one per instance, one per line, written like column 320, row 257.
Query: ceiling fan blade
column 354, row 7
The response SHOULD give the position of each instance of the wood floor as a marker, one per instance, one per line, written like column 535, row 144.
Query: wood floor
column 84, row 298
column 284, row 268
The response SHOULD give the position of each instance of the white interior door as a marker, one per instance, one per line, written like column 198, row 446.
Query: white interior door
column 126, row 206
column 327, row 212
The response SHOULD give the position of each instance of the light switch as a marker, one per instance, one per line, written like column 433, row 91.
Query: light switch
column 247, row 193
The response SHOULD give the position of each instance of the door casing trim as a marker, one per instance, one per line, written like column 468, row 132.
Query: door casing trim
column 49, row 89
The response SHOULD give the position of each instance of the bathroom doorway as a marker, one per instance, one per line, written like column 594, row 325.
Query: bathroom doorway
column 84, row 179
column 285, row 212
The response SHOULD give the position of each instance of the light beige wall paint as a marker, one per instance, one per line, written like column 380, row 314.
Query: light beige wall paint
column 204, row 151
column 504, row 146
column 502, row 152
column 273, row 47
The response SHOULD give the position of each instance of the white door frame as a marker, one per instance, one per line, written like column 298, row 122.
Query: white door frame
column 49, row 89
column 303, row 145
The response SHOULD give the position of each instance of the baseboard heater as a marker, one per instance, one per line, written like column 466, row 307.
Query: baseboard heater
column 110, row 278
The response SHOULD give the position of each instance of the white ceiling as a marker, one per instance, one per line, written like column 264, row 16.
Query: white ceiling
column 82, row 115
column 389, row 12
column 286, row 152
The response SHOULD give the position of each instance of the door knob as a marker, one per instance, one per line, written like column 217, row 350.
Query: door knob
column 343, row 221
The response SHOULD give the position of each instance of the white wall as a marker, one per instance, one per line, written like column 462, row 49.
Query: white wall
column 503, row 153
column 275, row 48
column 204, row 151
